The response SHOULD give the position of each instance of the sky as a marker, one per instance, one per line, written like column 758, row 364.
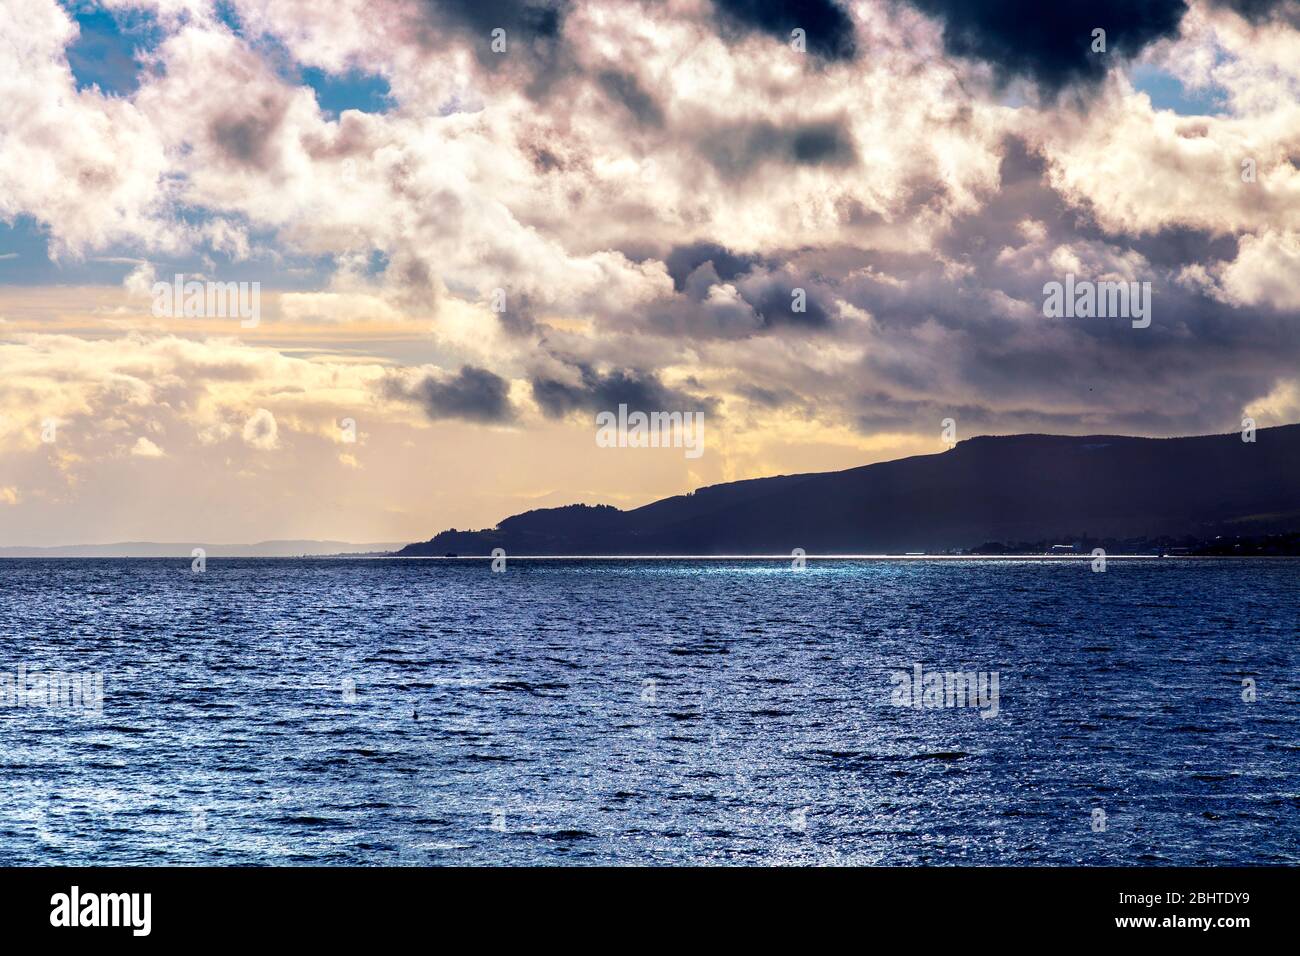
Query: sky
column 469, row 243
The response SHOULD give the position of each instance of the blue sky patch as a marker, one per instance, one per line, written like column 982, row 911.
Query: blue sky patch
column 1167, row 92
column 354, row 90
column 366, row 92
column 104, row 54
column 25, row 261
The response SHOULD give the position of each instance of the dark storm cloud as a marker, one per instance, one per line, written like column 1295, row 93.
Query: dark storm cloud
column 736, row 151
column 1025, row 193
column 472, row 394
column 528, row 19
column 759, row 301
column 980, row 331
column 1051, row 43
column 694, row 315
column 780, row 299
column 683, row 260
column 1193, row 370
column 624, row 88
column 1179, row 246
column 827, row 27
column 959, row 332
column 605, row 392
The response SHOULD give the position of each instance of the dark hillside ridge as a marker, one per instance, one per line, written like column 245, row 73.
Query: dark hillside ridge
column 1012, row 488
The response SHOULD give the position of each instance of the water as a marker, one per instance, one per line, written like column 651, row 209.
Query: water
column 650, row 712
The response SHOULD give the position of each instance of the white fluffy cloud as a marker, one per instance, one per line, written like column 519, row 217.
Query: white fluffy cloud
column 144, row 448
column 89, row 166
column 1264, row 272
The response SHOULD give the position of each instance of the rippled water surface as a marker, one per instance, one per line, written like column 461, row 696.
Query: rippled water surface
column 650, row 712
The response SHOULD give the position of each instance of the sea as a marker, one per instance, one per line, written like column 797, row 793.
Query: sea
column 386, row 712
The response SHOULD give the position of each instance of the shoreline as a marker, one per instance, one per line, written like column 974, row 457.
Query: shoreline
column 669, row 557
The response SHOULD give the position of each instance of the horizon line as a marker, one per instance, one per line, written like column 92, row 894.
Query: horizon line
column 1029, row 556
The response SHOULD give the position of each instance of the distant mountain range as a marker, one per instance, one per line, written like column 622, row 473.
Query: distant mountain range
column 154, row 549
column 1016, row 488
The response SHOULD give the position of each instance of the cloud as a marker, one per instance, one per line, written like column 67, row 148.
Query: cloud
column 1051, row 44
column 472, row 394
column 786, row 299
column 144, row 448
column 737, row 150
column 261, row 431
column 580, row 387
column 87, row 164
column 1263, row 273
column 626, row 89
column 1259, row 11
column 827, row 26
column 139, row 281
column 685, row 259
